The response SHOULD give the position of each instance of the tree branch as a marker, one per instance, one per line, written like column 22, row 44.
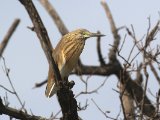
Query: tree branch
column 56, row 18
column 18, row 114
column 8, row 36
column 37, row 85
column 42, row 35
column 116, row 36
column 154, row 72
column 101, row 60
column 127, row 103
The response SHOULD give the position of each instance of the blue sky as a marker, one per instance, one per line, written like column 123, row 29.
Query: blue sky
column 28, row 64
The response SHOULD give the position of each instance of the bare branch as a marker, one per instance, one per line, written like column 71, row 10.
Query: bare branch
column 139, row 77
column 8, row 36
column 18, row 114
column 104, row 113
column 149, row 38
column 7, row 89
column 42, row 35
column 127, row 103
column 31, row 28
column 145, row 88
column 151, row 35
column 56, row 18
column 112, row 53
column 107, row 69
column 154, row 72
column 37, row 85
column 9, row 79
column 101, row 59
column 91, row 91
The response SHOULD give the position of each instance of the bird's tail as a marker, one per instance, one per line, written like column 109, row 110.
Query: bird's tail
column 51, row 87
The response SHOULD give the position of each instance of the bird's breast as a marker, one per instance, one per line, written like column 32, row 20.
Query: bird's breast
column 70, row 57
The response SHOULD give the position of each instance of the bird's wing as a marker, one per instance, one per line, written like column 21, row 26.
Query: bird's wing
column 51, row 86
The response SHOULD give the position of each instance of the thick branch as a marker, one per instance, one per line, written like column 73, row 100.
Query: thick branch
column 37, row 85
column 104, row 70
column 42, row 35
column 136, row 91
column 107, row 69
column 18, row 114
column 127, row 103
column 8, row 36
column 151, row 35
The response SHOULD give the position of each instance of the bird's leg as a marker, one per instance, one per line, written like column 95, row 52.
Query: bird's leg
column 67, row 83
column 71, row 84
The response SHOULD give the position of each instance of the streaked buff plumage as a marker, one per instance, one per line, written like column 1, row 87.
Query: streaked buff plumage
column 66, row 55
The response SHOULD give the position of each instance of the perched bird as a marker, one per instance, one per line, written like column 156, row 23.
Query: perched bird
column 66, row 55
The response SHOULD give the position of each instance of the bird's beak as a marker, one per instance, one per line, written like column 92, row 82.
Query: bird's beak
column 96, row 35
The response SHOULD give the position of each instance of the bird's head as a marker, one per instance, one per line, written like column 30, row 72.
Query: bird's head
column 83, row 34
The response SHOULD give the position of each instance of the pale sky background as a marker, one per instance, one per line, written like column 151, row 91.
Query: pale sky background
column 28, row 65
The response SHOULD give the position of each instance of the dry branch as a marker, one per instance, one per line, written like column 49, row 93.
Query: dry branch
column 113, row 50
column 154, row 72
column 56, row 18
column 101, row 59
column 8, row 36
column 127, row 103
column 18, row 114
column 104, row 113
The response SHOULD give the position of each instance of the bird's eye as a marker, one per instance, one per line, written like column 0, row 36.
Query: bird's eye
column 85, row 34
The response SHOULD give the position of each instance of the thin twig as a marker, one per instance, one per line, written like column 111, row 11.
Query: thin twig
column 92, row 91
column 149, row 38
column 158, row 102
column 37, row 85
column 85, row 91
column 104, row 113
column 154, row 72
column 151, row 35
column 7, row 89
column 6, row 102
column 14, row 91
